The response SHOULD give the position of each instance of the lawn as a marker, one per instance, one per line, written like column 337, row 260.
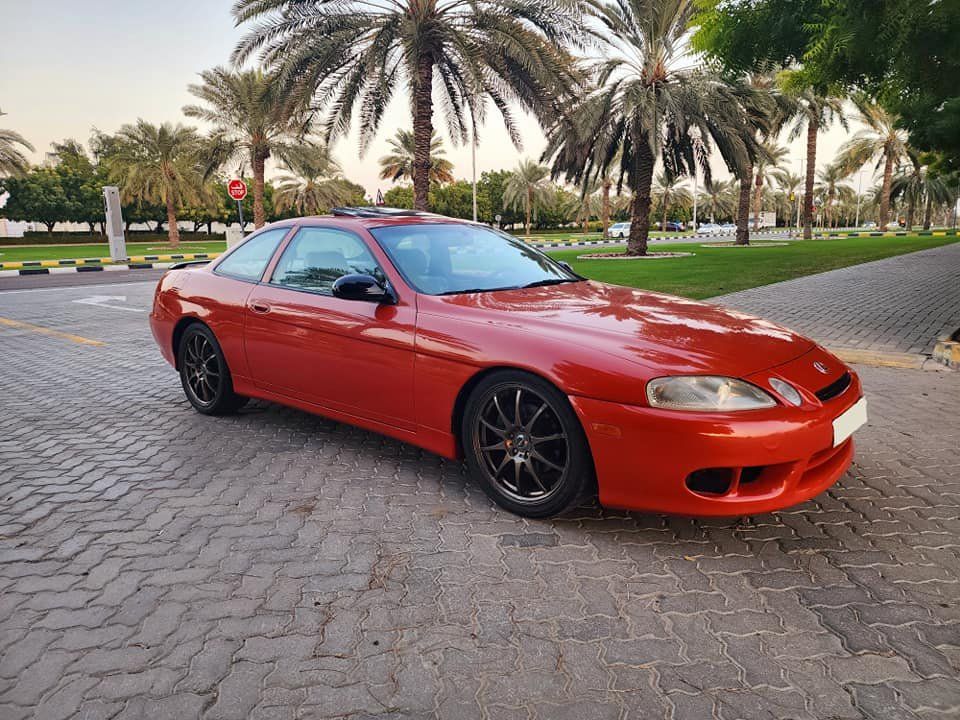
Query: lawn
column 715, row 271
column 73, row 252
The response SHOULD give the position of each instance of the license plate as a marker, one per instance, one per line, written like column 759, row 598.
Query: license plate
column 850, row 421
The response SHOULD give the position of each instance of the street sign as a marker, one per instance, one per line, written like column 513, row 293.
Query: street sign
column 237, row 189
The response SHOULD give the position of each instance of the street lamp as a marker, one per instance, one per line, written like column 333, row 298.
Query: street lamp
column 856, row 224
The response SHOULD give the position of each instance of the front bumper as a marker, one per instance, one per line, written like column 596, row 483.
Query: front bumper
column 776, row 458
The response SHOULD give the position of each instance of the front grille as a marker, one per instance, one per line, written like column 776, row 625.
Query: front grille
column 835, row 388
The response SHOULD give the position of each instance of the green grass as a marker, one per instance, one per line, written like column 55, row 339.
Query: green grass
column 73, row 252
column 715, row 271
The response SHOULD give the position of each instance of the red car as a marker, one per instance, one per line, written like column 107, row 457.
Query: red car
column 469, row 343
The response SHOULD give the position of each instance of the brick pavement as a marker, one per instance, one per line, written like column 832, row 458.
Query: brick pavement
column 900, row 304
column 156, row 563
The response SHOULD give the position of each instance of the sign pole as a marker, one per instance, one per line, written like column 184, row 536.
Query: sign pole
column 240, row 213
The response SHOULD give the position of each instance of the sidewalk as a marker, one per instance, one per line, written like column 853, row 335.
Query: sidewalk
column 897, row 305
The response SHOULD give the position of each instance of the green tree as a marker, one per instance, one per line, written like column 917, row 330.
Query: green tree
column 529, row 187
column 768, row 165
column 355, row 54
column 881, row 140
column 12, row 159
column 649, row 103
column 158, row 164
column 399, row 196
column 82, row 180
column 314, row 183
column 398, row 165
column 490, row 189
column 38, row 196
column 920, row 186
column 251, row 121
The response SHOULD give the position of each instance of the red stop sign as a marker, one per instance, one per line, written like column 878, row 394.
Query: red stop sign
column 237, row 189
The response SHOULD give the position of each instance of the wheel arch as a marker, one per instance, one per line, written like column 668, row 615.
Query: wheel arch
column 460, row 404
column 178, row 330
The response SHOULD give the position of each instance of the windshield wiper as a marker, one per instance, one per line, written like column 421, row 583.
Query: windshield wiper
column 478, row 290
column 550, row 281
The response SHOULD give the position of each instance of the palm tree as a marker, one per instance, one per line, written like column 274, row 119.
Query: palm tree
column 814, row 112
column 314, row 184
column 398, row 165
column 918, row 186
column 355, row 53
column 669, row 190
column 880, row 139
column 833, row 188
column 650, row 100
column 251, row 122
column 12, row 161
column 791, row 184
column 158, row 164
column 768, row 164
column 716, row 199
column 529, row 186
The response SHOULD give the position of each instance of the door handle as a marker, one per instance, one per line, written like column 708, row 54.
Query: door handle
column 259, row 307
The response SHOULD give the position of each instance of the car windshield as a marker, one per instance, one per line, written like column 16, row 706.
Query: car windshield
column 453, row 258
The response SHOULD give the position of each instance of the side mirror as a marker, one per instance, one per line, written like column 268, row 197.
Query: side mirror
column 566, row 266
column 361, row 287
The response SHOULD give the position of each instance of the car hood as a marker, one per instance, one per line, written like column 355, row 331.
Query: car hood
column 662, row 332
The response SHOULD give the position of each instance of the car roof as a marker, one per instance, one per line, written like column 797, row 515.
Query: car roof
column 373, row 217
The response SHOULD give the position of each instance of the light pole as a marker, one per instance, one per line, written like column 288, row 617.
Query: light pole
column 856, row 223
column 695, row 174
column 473, row 167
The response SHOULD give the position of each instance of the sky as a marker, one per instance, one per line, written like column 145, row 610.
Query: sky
column 68, row 66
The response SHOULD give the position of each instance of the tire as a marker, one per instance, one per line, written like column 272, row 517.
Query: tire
column 204, row 373
column 537, row 465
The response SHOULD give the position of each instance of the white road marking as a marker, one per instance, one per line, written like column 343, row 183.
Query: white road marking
column 81, row 288
column 109, row 301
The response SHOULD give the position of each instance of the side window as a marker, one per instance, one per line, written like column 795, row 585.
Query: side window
column 249, row 260
column 317, row 256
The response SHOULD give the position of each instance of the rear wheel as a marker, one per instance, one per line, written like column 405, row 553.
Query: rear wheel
column 204, row 373
column 525, row 446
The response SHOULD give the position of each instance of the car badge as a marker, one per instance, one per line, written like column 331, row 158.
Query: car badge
column 821, row 367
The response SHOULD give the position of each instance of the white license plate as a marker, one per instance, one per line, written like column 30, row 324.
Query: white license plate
column 851, row 421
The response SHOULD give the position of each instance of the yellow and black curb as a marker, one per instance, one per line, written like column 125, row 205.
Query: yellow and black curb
column 135, row 262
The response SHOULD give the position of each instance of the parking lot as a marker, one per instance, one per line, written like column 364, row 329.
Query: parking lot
column 158, row 563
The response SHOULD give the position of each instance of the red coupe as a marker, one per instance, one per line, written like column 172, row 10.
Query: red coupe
column 469, row 343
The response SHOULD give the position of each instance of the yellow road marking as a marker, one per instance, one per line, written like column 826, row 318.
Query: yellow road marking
column 879, row 359
column 50, row 332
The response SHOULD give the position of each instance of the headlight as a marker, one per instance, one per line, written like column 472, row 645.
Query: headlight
column 706, row 393
column 787, row 391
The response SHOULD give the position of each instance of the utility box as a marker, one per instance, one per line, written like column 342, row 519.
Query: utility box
column 234, row 236
column 111, row 206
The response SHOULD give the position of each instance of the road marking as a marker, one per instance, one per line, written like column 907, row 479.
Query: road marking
column 109, row 301
column 81, row 287
column 49, row 332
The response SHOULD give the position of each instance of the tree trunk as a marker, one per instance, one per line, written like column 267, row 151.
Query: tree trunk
column 757, row 200
column 663, row 214
column 813, row 128
column 423, row 133
column 50, row 227
column 173, row 232
column 911, row 208
column 605, row 209
column 585, row 209
column 527, row 208
column 259, row 214
column 743, row 207
column 640, row 209
column 209, row 227
column 885, row 191
column 927, row 212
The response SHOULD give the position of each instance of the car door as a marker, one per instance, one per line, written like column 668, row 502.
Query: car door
column 353, row 356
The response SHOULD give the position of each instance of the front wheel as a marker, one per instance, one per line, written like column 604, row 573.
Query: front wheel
column 525, row 446
column 204, row 373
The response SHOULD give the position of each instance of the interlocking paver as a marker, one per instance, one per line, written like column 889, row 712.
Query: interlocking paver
column 156, row 563
column 900, row 304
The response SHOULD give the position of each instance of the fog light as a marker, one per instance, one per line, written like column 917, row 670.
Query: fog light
column 787, row 391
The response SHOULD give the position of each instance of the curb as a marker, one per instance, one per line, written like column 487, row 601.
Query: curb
column 623, row 241
column 84, row 269
column 101, row 263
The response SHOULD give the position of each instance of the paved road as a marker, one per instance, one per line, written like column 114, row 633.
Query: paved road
column 900, row 304
column 155, row 563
